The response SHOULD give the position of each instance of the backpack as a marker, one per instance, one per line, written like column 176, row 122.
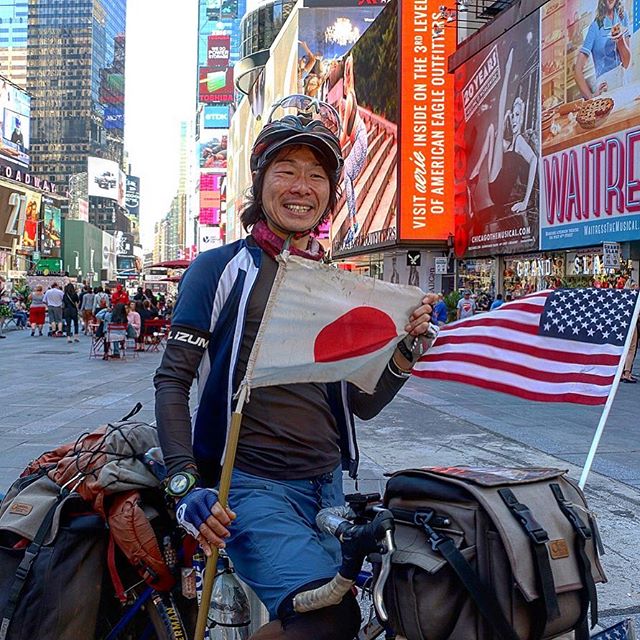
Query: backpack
column 491, row 553
column 51, row 558
column 71, row 509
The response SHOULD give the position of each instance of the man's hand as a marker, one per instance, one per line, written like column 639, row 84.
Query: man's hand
column 420, row 319
column 201, row 515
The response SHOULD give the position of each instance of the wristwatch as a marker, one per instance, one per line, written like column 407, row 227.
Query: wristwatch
column 179, row 484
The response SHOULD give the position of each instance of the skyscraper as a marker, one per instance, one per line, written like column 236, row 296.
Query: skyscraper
column 75, row 73
column 13, row 41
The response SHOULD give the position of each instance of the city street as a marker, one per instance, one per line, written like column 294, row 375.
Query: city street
column 52, row 392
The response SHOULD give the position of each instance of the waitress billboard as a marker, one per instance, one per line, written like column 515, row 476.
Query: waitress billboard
column 590, row 122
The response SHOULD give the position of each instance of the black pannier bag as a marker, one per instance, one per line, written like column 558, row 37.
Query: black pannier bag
column 491, row 553
column 51, row 562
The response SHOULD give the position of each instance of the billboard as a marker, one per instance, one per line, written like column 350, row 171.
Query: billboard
column 211, row 185
column 427, row 116
column 215, row 85
column 218, row 50
column 51, row 239
column 19, row 213
column 213, row 149
column 326, row 34
column 114, row 117
column 208, row 238
column 363, row 86
column 103, row 178
column 15, row 111
column 215, row 116
column 221, row 9
column 590, row 123
column 132, row 196
column 497, row 145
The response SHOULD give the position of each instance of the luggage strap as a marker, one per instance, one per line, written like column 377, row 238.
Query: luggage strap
column 583, row 533
column 483, row 597
column 22, row 572
column 539, row 538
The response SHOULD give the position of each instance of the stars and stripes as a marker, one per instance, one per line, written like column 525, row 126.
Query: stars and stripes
column 622, row 631
column 554, row 346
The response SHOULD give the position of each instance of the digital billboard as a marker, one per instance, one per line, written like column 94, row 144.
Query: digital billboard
column 218, row 50
column 132, row 196
column 208, row 238
column 103, row 178
column 210, row 198
column 590, row 123
column 114, row 117
column 427, row 116
column 220, row 9
column 219, row 18
column 497, row 145
column 215, row 85
column 213, row 149
column 19, row 210
column 326, row 34
column 15, row 111
column 363, row 87
column 215, row 116
column 51, row 238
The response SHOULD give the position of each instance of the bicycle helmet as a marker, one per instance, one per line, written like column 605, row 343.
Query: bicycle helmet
column 294, row 130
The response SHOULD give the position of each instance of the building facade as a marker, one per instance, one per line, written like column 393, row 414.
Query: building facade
column 13, row 40
column 75, row 74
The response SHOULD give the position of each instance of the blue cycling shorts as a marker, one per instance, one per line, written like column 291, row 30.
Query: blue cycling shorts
column 274, row 544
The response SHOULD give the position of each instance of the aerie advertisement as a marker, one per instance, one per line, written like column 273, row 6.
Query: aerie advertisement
column 590, row 125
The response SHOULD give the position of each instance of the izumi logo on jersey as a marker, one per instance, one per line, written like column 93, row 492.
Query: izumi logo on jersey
column 188, row 338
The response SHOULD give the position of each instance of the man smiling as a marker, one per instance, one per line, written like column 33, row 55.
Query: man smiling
column 295, row 439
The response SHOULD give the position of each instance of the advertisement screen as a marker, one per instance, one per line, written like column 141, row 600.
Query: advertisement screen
column 213, row 150
column 103, row 178
column 51, row 228
column 215, row 85
column 218, row 50
column 15, row 110
column 208, row 238
column 497, row 145
column 114, row 117
column 363, row 87
column 132, row 196
column 219, row 9
column 19, row 217
column 325, row 35
column 210, row 198
column 426, row 113
column 215, row 117
column 590, row 123
column 219, row 18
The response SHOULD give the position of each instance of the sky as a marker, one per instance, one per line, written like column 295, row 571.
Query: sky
column 160, row 90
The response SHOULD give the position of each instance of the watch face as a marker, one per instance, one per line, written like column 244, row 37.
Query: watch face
column 179, row 484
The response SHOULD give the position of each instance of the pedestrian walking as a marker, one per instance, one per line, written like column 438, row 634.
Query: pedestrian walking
column 4, row 302
column 120, row 296
column 100, row 296
column 70, row 303
column 37, row 310
column 466, row 306
column 440, row 311
column 53, row 299
column 86, row 309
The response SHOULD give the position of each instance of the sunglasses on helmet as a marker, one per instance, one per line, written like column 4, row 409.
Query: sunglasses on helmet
column 311, row 107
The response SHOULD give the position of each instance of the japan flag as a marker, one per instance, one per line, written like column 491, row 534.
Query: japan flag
column 322, row 324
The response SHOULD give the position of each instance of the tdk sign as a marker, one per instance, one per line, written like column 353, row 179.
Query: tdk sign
column 216, row 117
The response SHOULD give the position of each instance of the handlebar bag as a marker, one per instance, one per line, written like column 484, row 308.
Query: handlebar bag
column 51, row 559
column 491, row 553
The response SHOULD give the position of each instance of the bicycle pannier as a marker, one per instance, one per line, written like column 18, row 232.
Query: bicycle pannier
column 491, row 553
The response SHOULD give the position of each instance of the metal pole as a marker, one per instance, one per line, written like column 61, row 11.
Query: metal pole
column 223, row 499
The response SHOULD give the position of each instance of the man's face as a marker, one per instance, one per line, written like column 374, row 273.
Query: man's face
column 295, row 192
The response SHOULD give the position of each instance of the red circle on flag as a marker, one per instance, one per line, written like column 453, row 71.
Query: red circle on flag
column 358, row 332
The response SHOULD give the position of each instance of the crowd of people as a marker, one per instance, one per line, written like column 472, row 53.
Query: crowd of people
column 66, row 311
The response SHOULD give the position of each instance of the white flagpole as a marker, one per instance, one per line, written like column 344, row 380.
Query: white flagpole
column 612, row 394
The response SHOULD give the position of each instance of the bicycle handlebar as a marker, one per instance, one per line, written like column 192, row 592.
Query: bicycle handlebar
column 357, row 541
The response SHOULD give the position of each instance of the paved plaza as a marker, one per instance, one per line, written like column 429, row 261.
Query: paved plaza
column 52, row 392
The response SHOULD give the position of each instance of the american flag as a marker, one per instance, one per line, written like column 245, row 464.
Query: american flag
column 624, row 630
column 560, row 345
